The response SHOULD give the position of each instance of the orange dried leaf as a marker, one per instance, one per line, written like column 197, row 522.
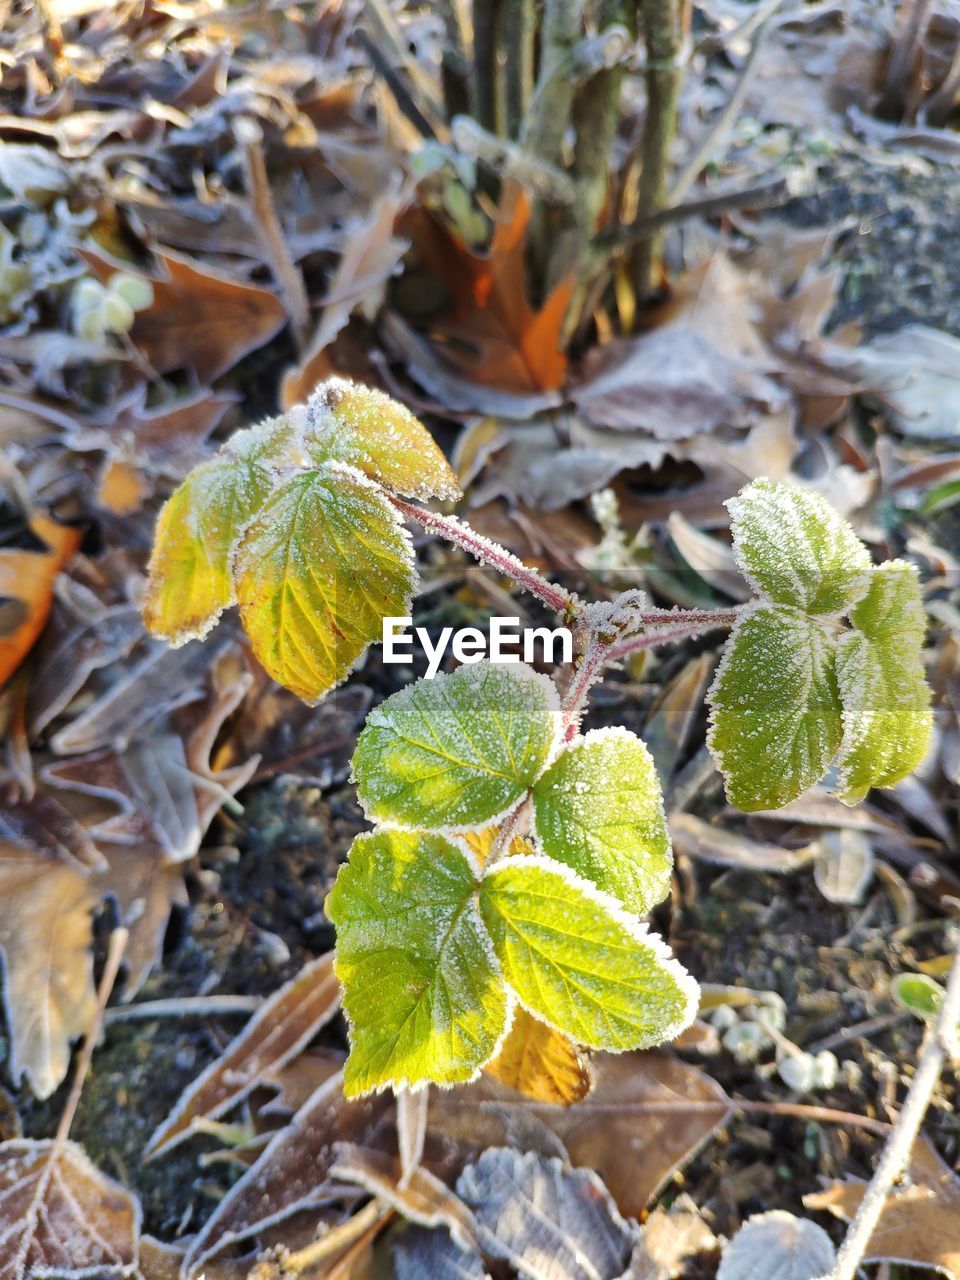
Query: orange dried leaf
column 499, row 340
column 542, row 1063
column 26, row 589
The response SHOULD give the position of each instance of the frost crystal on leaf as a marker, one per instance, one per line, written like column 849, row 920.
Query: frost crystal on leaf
column 348, row 423
column 318, row 568
column 457, row 751
column 578, row 962
column 794, row 549
column 777, row 1246
column 774, row 707
column 887, row 719
column 599, row 809
column 421, row 986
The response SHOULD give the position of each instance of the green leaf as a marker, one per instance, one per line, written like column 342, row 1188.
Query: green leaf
column 344, row 422
column 887, row 719
column 189, row 583
column 918, row 994
column 578, row 962
column 774, row 708
column 599, row 809
column 320, row 566
column 794, row 549
column 457, row 751
column 421, row 987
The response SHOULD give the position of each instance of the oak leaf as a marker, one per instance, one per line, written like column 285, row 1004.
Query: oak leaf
column 26, row 588
column 498, row 339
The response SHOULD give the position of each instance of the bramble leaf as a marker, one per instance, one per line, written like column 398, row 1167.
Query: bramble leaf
column 793, row 548
column 189, row 582
column 344, row 422
column 599, row 809
column 887, row 720
column 774, row 708
column 324, row 560
column 421, row 986
column 541, row 1062
column 578, row 962
column 457, row 751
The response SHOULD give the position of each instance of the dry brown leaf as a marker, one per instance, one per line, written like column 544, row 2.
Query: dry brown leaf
column 647, row 1115
column 59, row 1215
column 509, row 346
column 699, row 839
column 26, row 589
column 541, row 1062
column 200, row 318
column 46, row 930
column 920, row 1223
column 293, row 1173
column 278, row 1031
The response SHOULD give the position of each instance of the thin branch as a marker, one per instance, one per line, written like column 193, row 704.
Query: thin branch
column 519, row 40
column 508, row 160
column 285, row 271
column 939, row 1045
column 489, row 553
column 118, row 942
column 185, row 1007
column 664, row 626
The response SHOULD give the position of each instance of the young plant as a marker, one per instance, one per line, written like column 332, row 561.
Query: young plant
column 513, row 857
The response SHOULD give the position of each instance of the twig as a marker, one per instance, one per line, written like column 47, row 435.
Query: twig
column 940, row 1044
column 509, row 160
column 185, row 1007
column 717, row 132
column 939, row 105
column 762, row 196
column 663, row 626
column 288, row 278
column 803, row 1111
column 914, row 16
column 369, row 1219
column 487, row 98
column 486, row 552
column 455, row 67
column 118, row 942
column 393, row 78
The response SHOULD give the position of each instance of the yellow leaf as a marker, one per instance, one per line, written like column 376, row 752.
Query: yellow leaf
column 189, row 582
column 481, row 842
column 322, row 563
column 541, row 1063
column 377, row 435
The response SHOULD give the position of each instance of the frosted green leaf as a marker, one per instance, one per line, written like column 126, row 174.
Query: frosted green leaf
column 887, row 720
column 459, row 750
column 344, row 422
column 794, row 549
column 421, row 987
column 189, row 583
column 320, row 566
column 599, row 809
column 577, row 961
column 774, row 708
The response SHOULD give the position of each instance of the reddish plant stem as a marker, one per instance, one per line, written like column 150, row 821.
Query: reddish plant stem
column 595, row 657
column 668, row 625
column 486, row 552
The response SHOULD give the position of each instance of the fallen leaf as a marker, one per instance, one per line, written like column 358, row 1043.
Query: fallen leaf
column 490, row 333
column 45, row 935
column 705, row 840
column 59, row 1215
column 199, row 318
column 421, row 1254
column 647, row 1115
column 914, row 372
column 548, row 1221
column 26, row 588
column 920, row 1222
column 541, row 1062
column 844, row 866
column 277, row 1032
column 777, row 1246
column 670, row 1238
column 293, row 1173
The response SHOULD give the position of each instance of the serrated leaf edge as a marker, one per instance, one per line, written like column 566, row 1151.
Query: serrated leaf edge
column 451, row 832
column 638, row 930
